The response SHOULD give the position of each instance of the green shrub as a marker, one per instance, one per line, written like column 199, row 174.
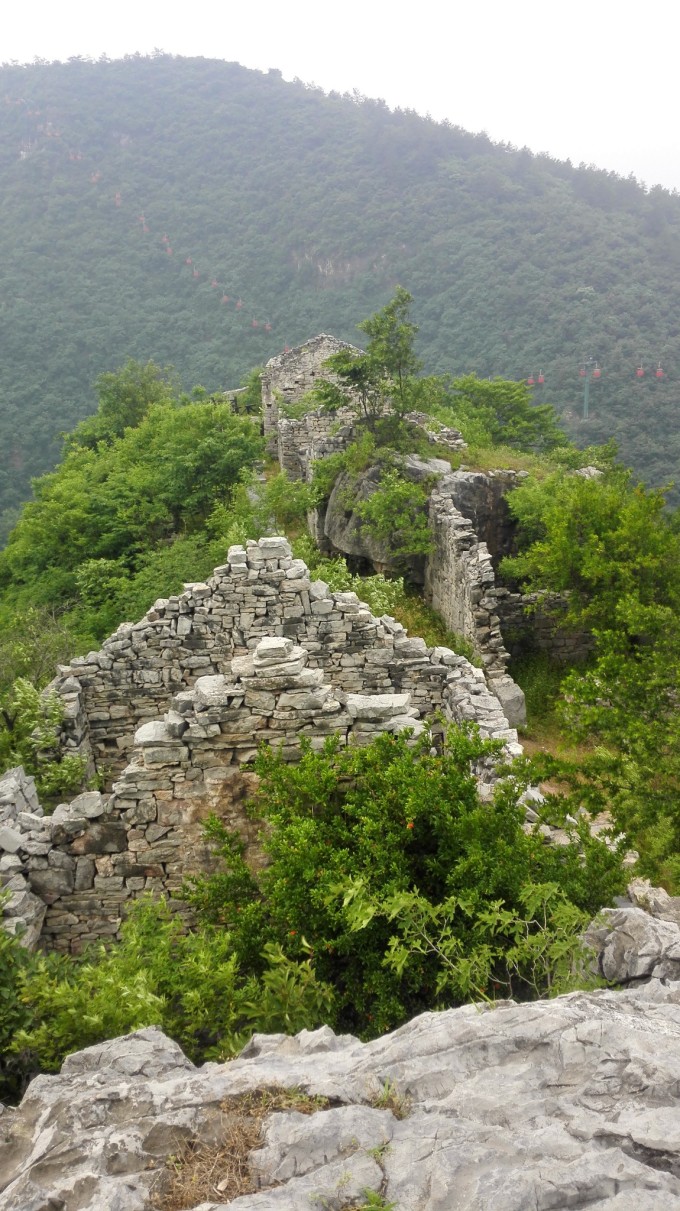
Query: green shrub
column 402, row 820
column 188, row 983
column 396, row 515
column 14, row 961
column 29, row 724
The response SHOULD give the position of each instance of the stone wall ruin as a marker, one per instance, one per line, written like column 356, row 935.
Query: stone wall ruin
column 311, row 663
column 170, row 709
column 470, row 522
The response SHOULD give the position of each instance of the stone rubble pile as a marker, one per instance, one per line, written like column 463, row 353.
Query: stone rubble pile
column 564, row 1103
column 46, row 861
column 24, row 844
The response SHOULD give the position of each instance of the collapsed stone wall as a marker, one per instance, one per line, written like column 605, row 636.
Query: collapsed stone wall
column 340, row 671
column 260, row 591
column 499, row 623
column 290, row 375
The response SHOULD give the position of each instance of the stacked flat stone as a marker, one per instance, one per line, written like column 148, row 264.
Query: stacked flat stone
column 460, row 581
column 261, row 591
column 41, row 859
column 301, row 443
column 289, row 376
column 533, row 621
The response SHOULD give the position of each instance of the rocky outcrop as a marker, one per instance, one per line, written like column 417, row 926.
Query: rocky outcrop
column 348, row 535
column 638, row 940
column 558, row 1104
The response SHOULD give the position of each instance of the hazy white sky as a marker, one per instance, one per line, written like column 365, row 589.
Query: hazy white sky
column 594, row 81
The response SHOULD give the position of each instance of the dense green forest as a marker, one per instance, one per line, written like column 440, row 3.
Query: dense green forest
column 205, row 215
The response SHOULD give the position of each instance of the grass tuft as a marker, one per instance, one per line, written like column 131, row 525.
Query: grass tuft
column 200, row 1172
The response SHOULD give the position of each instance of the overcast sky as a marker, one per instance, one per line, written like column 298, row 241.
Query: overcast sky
column 594, row 81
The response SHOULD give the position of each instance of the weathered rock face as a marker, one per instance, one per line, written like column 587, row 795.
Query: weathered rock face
column 481, row 496
column 639, row 941
column 558, row 1104
column 347, row 535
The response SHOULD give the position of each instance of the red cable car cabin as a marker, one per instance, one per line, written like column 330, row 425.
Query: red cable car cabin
column 597, row 373
column 640, row 373
column 658, row 373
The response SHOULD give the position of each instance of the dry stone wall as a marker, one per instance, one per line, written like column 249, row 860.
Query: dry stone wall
column 291, row 375
column 261, row 591
column 340, row 672
column 534, row 622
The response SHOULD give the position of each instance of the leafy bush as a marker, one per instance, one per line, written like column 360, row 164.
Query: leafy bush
column 506, row 412
column 29, row 724
column 602, row 540
column 402, row 821
column 537, row 949
column 188, row 983
column 14, row 960
column 396, row 515
column 32, row 642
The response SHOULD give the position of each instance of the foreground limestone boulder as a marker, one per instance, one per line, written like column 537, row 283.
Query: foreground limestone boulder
column 558, row 1104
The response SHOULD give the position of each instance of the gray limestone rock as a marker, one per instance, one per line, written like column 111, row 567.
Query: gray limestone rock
column 154, row 733
column 18, row 789
column 377, row 706
column 10, row 839
column 214, row 690
column 90, row 805
column 629, row 945
column 654, row 900
column 273, row 648
column 511, row 698
column 567, row 1103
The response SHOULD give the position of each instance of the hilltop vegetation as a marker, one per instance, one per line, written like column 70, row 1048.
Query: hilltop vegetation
column 136, row 195
column 391, row 886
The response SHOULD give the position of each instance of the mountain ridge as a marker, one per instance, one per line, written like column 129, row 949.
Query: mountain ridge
column 307, row 209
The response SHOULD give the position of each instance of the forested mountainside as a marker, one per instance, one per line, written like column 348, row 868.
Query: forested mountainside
column 205, row 215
